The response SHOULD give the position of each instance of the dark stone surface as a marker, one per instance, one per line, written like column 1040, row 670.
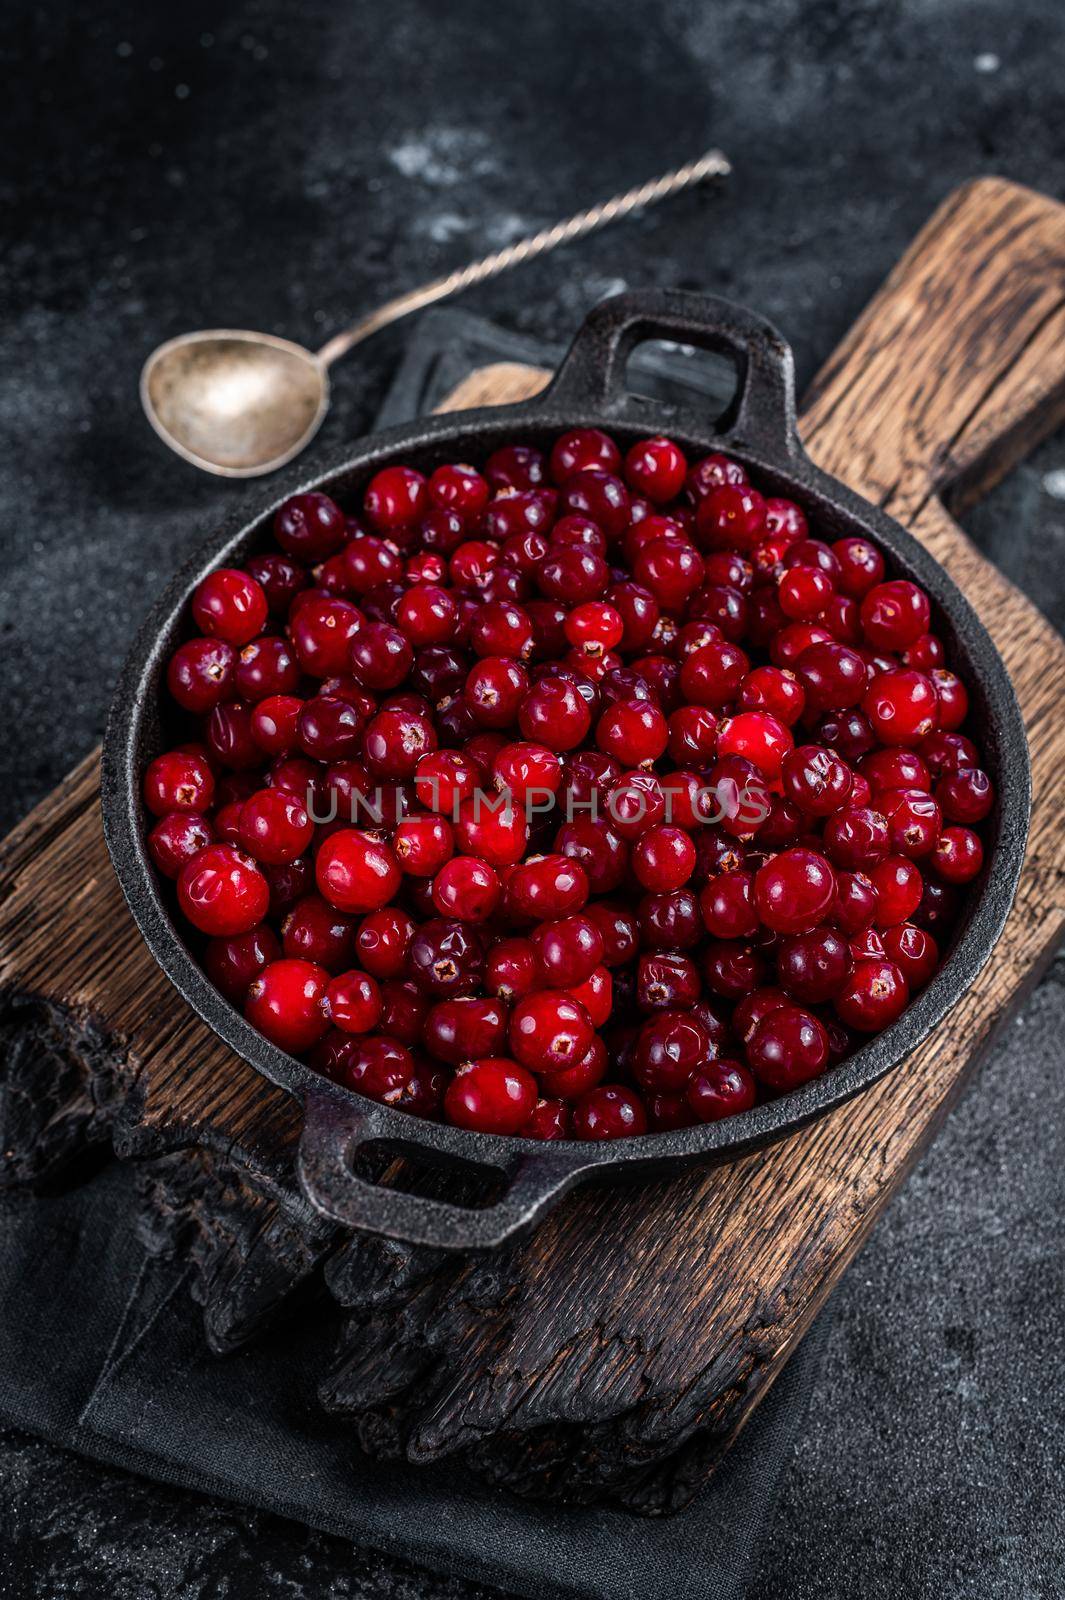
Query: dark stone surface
column 288, row 166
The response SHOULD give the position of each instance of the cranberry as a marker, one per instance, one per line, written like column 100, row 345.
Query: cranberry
column 568, row 950
column 913, row 951
column 275, row 827
column 914, row 821
column 427, row 615
column 732, row 969
column 180, row 780
column 554, row 713
column 353, row 1002
column 356, row 872
column 201, row 673
column 861, row 566
column 229, row 605
column 901, row 706
column 771, row 690
column 794, row 891
column 731, row 517
column 856, row 838
column 395, row 497
column 466, row 889
column 609, row 1112
column 966, row 795
column 812, row 966
column 221, row 891
column 787, row 1048
column 313, row 930
column 670, row 1047
column 446, row 957
column 596, row 995
column 512, row 970
column 581, row 449
column 176, row 838
column 379, row 1067
column 231, row 963
column 818, row 781
column 382, row 941
column 728, row 908
column 712, row 676
column 310, row 527
column 832, row 675
column 759, row 738
column 894, row 614
column 285, row 1002
column 547, row 887
column 895, row 769
column 550, row 1031
column 633, row 731
column 943, row 753
column 515, row 466
column 719, row 1089
column 322, row 633
column 938, row 907
column 664, row 859
column 958, row 855
column 873, row 996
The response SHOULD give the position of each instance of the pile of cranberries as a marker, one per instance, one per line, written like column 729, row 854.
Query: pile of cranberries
column 576, row 796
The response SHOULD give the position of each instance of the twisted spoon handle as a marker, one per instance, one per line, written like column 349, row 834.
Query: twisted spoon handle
column 713, row 164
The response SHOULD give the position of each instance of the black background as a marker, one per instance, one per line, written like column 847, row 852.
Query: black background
column 288, row 166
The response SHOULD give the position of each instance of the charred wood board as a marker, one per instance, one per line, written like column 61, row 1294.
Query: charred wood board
column 618, row 1351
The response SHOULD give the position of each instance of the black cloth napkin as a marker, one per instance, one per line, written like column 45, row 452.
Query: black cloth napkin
column 101, row 1348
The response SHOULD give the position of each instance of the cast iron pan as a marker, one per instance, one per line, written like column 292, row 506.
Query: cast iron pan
column 758, row 428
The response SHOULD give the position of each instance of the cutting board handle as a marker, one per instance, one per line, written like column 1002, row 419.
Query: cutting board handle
column 978, row 303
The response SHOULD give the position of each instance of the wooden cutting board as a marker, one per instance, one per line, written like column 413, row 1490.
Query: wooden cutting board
column 621, row 1348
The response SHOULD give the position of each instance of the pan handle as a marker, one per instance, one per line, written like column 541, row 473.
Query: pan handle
column 335, row 1128
column 592, row 373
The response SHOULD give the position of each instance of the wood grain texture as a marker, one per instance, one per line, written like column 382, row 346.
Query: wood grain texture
column 620, row 1349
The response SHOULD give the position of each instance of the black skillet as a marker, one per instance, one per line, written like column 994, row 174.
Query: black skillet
column 759, row 429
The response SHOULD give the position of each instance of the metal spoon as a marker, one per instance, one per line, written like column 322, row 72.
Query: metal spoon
column 240, row 404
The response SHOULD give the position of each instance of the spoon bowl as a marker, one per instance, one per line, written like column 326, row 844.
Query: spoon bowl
column 234, row 402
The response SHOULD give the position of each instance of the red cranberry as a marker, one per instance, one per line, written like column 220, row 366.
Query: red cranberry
column 731, row 517
column 895, row 614
column 895, row 769
column 553, row 713
column 322, row 634
column 670, row 1047
column 873, row 996
column 356, row 872
column 353, row 1002
column 901, row 706
column 732, row 969
column 275, row 827
column 515, row 466
column 446, row 957
column 812, row 966
column 794, row 891
column 788, row 1048
column 728, row 908
column 550, row 1031
column 229, row 605
column 512, row 970
column 721, row 1089
column 176, row 838
column 914, row 821
column 897, row 882
column 913, row 951
column 310, row 527
column 580, row 449
column 313, row 930
column 832, row 675
column 285, row 1002
column 712, row 676
column 201, row 674
column 965, row 796
column 231, row 963
column 609, row 1112
column 221, row 891
column 180, row 780
column 958, row 855
column 861, row 566
column 817, row 780
column 382, row 941
column 856, row 838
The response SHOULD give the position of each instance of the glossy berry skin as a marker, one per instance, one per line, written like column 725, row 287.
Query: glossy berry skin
column 728, row 908
column 395, row 497
column 758, row 737
column 180, row 780
column 633, row 731
column 720, row 1089
column 322, row 632
column 901, row 706
column 861, row 566
column 894, row 614
column 423, row 845
column 913, row 951
column 511, row 970
column 811, row 967
column 382, row 941
column 379, row 1067
column 671, row 1046
column 656, row 468
column 914, row 821
column 817, row 780
column 353, row 1002
column 285, row 1002
column 788, row 1048
column 222, row 892
column 550, row 1120
column 457, row 1031
column 466, row 888
column 832, row 675
column 965, row 796
column 554, row 714
column 201, row 673
column 231, row 963
column 856, row 838
column 495, row 1095
column 958, row 855
column 663, row 859
column 313, row 930
column 794, row 891
column 356, row 872
column 873, row 996
column 581, row 449
column 275, row 827
column 446, row 957
column 567, row 951
column 176, row 838
column 550, row 1031
column 310, row 527
column 609, row 1112
column 712, row 676
column 229, row 605
column 898, row 887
